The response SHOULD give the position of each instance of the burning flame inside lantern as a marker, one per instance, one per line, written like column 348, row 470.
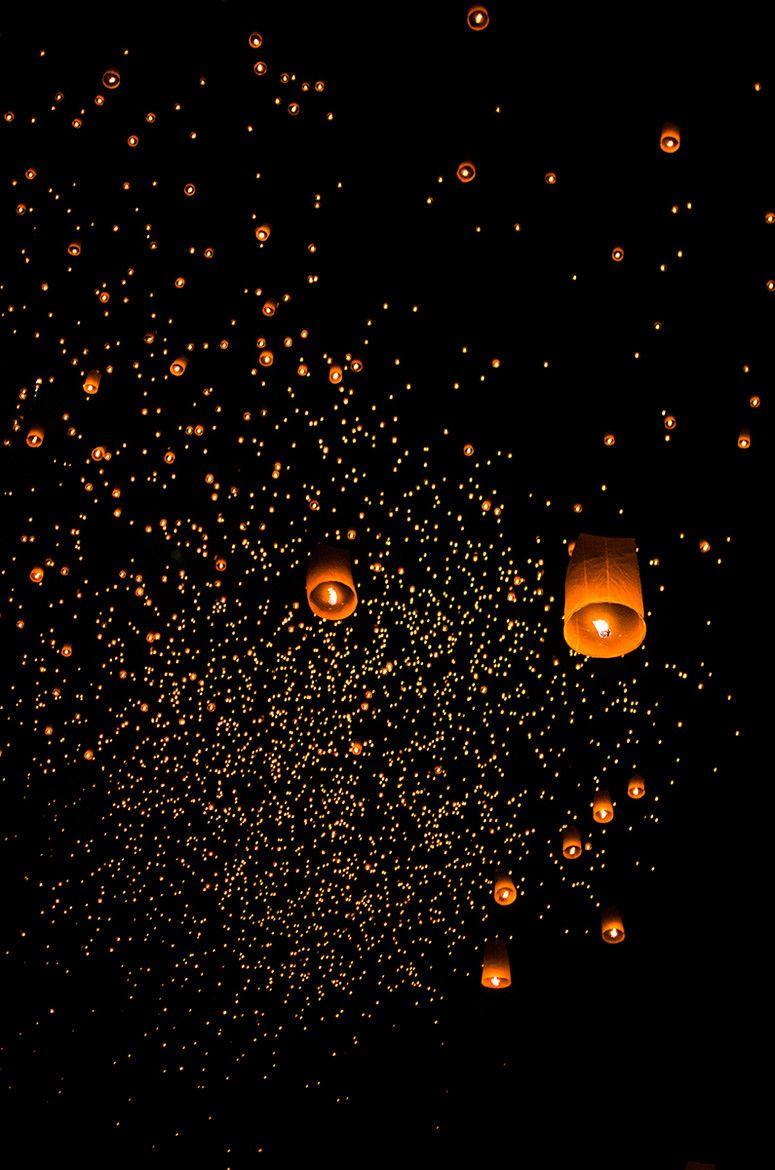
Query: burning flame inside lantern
column 602, row 627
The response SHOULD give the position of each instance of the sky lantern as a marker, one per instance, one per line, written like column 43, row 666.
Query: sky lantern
column 744, row 440
column 571, row 844
column 466, row 172
column 636, row 788
column 602, row 808
column 496, row 970
column 330, row 589
column 178, row 367
column 611, row 926
column 35, row 436
column 478, row 17
column 505, row 892
column 263, row 232
column 603, row 597
column 91, row 382
column 670, row 138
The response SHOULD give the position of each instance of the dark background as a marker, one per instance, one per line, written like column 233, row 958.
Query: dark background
column 635, row 1056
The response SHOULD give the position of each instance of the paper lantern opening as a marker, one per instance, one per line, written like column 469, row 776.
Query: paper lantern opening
column 330, row 589
column 603, row 598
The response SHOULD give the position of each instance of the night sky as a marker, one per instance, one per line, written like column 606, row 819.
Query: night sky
column 423, row 285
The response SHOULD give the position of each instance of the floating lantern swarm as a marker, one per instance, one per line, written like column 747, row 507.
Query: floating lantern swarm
column 496, row 970
column 603, row 598
column 330, row 589
column 505, row 891
column 612, row 927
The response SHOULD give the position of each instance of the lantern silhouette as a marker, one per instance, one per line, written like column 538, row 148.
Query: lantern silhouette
column 602, row 809
column 505, row 892
column 91, row 382
column 611, row 926
column 636, row 788
column 571, row 844
column 330, row 589
column 670, row 138
column 603, row 598
column 496, row 971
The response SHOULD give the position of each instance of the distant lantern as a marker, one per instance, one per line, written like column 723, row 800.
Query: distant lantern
column 178, row 367
column 478, row 17
column 611, row 926
column 602, row 808
column 617, row 254
column 670, row 138
column 636, row 788
column 744, row 440
column 330, row 589
column 335, row 375
column 550, row 177
column 36, row 575
column 263, row 232
column 496, row 970
column 466, row 171
column 91, row 382
column 35, row 436
column 269, row 307
column 603, row 598
column 255, row 40
column 571, row 844
column 111, row 79
column 505, row 891
column 74, row 249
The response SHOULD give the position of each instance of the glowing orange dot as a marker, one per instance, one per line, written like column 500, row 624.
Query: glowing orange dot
column 466, row 171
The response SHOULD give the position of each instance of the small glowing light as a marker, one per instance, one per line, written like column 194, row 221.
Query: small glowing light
column 602, row 627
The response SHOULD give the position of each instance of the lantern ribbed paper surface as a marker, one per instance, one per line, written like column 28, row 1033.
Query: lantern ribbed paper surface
column 603, row 598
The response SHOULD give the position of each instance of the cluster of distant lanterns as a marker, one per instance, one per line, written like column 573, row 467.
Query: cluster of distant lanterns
column 603, row 618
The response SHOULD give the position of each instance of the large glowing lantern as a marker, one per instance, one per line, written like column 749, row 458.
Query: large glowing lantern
column 571, row 844
column 603, row 598
column 91, row 382
column 505, row 892
column 602, row 808
column 611, row 926
column 670, row 138
column 330, row 589
column 636, row 787
column 496, row 971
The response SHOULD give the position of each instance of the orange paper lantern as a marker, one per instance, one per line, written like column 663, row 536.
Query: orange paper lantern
column 91, row 382
column 636, row 788
column 505, row 891
column 330, row 589
column 602, row 808
column 496, row 970
column 612, row 927
column 603, row 598
column 670, row 138
column 571, row 844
